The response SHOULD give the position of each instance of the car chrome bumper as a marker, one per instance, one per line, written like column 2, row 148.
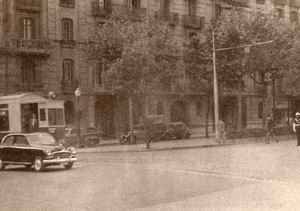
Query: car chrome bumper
column 59, row 160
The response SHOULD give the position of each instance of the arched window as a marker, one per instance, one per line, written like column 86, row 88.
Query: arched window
column 160, row 108
column 68, row 70
column 28, row 72
column 67, row 29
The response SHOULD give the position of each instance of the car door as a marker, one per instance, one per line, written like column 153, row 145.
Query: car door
column 22, row 149
column 7, row 149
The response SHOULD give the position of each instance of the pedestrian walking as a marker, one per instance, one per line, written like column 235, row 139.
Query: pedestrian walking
column 222, row 132
column 296, row 127
column 270, row 129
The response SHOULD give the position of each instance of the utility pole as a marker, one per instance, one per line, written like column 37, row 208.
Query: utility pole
column 216, row 95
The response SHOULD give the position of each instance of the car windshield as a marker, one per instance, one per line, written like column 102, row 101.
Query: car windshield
column 40, row 139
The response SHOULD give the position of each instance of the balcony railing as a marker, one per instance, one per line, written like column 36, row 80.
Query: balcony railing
column 172, row 18
column 101, row 9
column 29, row 87
column 67, row 43
column 280, row 1
column 32, row 5
column 67, row 3
column 192, row 21
column 69, row 86
column 261, row 90
column 26, row 46
column 134, row 13
column 242, row 3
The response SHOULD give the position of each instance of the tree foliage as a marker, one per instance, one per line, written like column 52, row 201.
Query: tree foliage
column 237, row 29
column 139, row 56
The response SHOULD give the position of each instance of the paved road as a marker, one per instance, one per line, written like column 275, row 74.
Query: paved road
column 253, row 176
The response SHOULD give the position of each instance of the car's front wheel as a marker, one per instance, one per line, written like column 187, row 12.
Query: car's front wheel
column 38, row 164
column 27, row 167
column 2, row 165
column 69, row 165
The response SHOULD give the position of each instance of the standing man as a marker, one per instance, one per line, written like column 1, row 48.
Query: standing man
column 33, row 123
column 270, row 129
column 222, row 131
column 296, row 127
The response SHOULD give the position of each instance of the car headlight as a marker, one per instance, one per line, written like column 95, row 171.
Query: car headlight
column 72, row 150
column 48, row 152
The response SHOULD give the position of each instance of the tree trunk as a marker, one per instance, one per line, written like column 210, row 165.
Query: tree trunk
column 207, row 115
column 131, row 123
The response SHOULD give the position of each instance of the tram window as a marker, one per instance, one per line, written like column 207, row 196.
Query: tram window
column 42, row 114
column 4, row 121
column 55, row 117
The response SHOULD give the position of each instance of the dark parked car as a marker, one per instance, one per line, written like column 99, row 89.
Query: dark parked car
column 34, row 149
column 178, row 130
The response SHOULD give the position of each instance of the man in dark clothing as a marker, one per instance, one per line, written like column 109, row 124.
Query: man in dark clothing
column 270, row 129
column 296, row 127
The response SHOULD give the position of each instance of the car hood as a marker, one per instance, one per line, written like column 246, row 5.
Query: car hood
column 52, row 147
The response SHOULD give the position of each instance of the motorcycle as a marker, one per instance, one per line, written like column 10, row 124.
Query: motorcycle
column 125, row 139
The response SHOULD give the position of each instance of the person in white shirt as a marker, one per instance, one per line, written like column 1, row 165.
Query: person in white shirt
column 296, row 127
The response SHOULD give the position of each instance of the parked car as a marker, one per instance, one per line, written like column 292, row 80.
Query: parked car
column 178, row 130
column 34, row 149
column 88, row 137
column 154, row 126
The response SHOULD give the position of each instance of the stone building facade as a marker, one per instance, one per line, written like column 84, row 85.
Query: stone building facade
column 41, row 51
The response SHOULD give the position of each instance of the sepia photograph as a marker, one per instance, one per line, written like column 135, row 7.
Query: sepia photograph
column 149, row 105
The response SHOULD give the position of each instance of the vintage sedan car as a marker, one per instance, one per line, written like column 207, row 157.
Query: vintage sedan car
column 34, row 149
column 178, row 130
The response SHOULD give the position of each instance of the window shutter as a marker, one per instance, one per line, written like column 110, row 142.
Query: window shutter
column 33, row 28
column 21, row 28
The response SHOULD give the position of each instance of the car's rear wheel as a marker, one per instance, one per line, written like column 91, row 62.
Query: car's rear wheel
column 187, row 135
column 38, row 164
column 2, row 165
column 167, row 136
column 69, row 165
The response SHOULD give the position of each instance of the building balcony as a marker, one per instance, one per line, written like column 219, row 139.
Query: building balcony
column 280, row 1
column 25, row 46
column 133, row 13
column 242, row 3
column 101, row 10
column 67, row 43
column 30, row 5
column 192, row 21
column 261, row 90
column 67, row 3
column 294, row 3
column 69, row 86
column 172, row 18
column 29, row 87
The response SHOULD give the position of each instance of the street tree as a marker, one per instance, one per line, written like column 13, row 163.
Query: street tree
column 140, row 57
column 236, row 32
column 264, row 63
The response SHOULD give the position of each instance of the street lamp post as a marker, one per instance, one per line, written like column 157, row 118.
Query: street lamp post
column 216, row 95
column 78, row 94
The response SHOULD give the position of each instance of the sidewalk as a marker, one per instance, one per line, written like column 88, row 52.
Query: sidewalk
column 113, row 146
